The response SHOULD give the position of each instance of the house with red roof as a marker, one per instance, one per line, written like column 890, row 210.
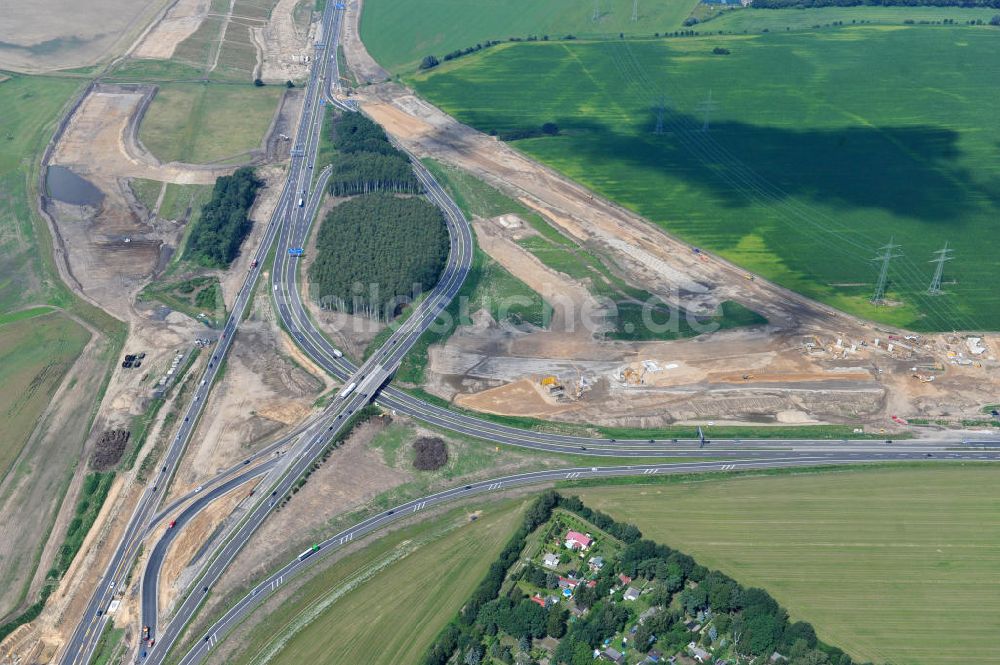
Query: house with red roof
column 567, row 583
column 578, row 541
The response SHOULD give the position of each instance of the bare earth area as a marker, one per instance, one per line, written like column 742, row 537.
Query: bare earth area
column 180, row 22
column 282, row 40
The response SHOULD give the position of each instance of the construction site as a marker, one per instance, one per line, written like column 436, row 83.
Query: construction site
column 808, row 364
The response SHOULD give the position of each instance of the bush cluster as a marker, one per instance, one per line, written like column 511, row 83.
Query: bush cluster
column 216, row 237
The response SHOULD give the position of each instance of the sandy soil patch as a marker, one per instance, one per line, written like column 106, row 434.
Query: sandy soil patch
column 180, row 22
column 814, row 383
column 286, row 47
column 524, row 397
column 189, row 542
column 261, row 394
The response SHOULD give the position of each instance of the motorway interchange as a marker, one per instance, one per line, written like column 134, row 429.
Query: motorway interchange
column 280, row 464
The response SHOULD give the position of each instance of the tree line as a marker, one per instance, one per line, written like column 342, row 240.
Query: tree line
column 377, row 252
column 755, row 624
column 367, row 162
column 224, row 224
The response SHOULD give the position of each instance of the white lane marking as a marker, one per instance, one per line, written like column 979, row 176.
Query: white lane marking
column 728, row 467
column 649, row 472
column 574, row 474
column 419, row 506
column 494, row 486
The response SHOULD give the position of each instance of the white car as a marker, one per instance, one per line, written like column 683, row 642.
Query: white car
column 199, row 488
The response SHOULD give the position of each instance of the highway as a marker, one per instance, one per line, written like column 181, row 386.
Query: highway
column 289, row 228
column 81, row 645
column 238, row 612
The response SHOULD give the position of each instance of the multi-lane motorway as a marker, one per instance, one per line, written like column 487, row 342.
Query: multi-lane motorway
column 289, row 228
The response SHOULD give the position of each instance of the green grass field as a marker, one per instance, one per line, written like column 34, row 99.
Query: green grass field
column 146, row 191
column 384, row 604
column 822, row 147
column 399, row 33
column 35, row 354
column 207, row 122
column 895, row 565
column 30, row 106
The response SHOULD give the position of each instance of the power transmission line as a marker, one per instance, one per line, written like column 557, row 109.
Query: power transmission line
column 597, row 11
column 888, row 253
column 635, row 11
column 750, row 183
column 706, row 107
column 942, row 256
column 660, row 108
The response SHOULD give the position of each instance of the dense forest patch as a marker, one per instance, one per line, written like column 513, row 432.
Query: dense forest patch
column 224, row 223
column 366, row 162
column 378, row 252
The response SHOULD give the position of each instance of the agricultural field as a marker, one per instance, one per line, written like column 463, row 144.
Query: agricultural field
column 399, row 33
column 30, row 106
column 385, row 603
column 35, row 354
column 891, row 564
column 56, row 34
column 908, row 154
column 201, row 123
column 222, row 47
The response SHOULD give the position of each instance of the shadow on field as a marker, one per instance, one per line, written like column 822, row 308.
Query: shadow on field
column 909, row 171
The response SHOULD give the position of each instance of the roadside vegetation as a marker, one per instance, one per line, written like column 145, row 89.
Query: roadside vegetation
column 224, row 223
column 828, row 542
column 198, row 297
column 904, row 162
